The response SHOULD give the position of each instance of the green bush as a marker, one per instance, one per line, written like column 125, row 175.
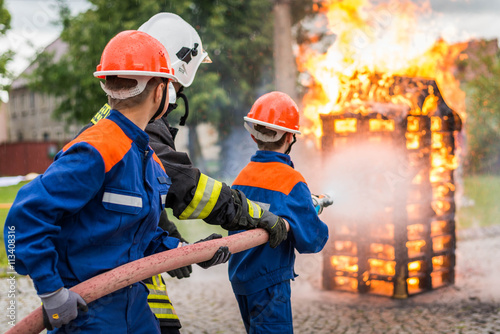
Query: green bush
column 482, row 194
column 483, row 116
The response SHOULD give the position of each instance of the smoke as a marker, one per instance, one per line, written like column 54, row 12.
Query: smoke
column 364, row 180
column 239, row 148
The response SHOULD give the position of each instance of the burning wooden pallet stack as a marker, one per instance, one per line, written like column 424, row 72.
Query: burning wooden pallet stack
column 406, row 245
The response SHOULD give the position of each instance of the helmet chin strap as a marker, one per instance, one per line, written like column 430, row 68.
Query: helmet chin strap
column 181, row 95
column 162, row 104
column 291, row 144
column 172, row 106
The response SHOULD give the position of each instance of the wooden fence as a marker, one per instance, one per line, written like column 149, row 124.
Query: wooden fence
column 26, row 157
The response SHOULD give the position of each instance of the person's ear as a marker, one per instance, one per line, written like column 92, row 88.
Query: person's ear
column 289, row 137
column 158, row 93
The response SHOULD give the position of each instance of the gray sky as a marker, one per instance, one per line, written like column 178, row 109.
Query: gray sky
column 32, row 28
column 467, row 18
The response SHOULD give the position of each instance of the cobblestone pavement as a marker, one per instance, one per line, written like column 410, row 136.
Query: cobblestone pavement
column 205, row 302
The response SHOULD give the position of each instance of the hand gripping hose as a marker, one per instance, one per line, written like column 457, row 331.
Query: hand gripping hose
column 127, row 274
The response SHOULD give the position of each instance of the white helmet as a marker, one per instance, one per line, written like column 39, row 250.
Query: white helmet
column 182, row 42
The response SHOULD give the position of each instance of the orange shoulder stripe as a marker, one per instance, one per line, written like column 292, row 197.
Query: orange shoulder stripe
column 107, row 138
column 155, row 157
column 274, row 176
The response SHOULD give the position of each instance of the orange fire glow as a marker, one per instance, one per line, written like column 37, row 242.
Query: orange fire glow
column 375, row 41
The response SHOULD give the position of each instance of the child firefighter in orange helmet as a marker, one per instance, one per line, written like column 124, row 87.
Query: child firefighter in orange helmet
column 261, row 276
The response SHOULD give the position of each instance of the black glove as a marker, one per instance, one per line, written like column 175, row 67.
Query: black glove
column 183, row 272
column 60, row 307
column 222, row 255
column 274, row 225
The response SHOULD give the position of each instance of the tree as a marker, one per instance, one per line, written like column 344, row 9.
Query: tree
column 231, row 31
column 483, row 117
column 237, row 35
column 285, row 70
column 70, row 77
column 7, row 55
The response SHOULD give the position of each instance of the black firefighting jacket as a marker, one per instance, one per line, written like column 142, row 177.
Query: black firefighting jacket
column 192, row 195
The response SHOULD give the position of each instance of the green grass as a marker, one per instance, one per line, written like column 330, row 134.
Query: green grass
column 483, row 192
column 7, row 195
column 194, row 230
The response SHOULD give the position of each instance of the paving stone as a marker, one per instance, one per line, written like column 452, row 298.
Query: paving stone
column 205, row 302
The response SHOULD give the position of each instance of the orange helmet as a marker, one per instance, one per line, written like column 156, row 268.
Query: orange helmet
column 277, row 111
column 134, row 53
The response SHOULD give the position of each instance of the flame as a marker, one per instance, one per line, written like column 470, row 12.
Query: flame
column 345, row 125
column 382, row 267
column 375, row 41
column 346, row 263
column 415, row 231
column 438, row 261
column 415, row 247
column 381, row 47
column 414, row 266
column 439, row 227
column 413, row 282
column 441, row 243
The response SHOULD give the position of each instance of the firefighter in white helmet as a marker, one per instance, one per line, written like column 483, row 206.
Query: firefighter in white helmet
column 192, row 195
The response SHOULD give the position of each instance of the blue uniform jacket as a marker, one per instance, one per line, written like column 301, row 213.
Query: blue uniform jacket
column 95, row 208
column 270, row 180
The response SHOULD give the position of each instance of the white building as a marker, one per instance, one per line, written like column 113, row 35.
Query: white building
column 30, row 113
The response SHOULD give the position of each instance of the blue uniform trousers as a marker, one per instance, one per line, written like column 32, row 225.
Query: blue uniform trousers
column 125, row 311
column 267, row 311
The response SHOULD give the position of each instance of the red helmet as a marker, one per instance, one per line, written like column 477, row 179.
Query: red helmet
column 275, row 110
column 134, row 53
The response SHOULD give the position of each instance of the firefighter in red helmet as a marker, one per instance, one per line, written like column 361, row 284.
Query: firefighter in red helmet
column 97, row 206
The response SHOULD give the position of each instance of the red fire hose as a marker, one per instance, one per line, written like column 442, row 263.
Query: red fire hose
column 136, row 271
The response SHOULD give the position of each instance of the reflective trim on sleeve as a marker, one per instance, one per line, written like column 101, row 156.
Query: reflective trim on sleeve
column 163, row 199
column 158, row 282
column 158, row 300
column 122, row 199
column 253, row 209
column 206, row 195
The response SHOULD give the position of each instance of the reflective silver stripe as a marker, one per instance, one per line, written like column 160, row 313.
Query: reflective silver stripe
column 204, row 200
column 122, row 199
column 253, row 209
column 263, row 206
column 163, row 199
